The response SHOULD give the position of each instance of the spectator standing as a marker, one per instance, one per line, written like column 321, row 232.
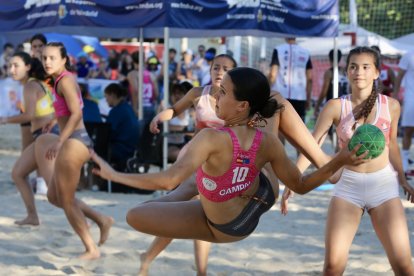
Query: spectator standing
column 149, row 93
column 37, row 43
column 291, row 74
column 327, row 86
column 204, row 66
column 127, row 65
column 406, row 71
column 387, row 76
column 8, row 51
column 179, row 123
column 101, row 71
column 185, row 67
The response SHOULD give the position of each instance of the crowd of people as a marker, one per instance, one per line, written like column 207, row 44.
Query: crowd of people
column 224, row 176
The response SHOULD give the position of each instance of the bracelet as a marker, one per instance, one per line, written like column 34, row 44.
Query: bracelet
column 174, row 112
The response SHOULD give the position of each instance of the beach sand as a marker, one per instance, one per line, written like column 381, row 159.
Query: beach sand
column 291, row 245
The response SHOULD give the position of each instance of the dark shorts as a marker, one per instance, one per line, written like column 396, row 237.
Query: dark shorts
column 246, row 222
column 300, row 107
column 38, row 132
column 82, row 135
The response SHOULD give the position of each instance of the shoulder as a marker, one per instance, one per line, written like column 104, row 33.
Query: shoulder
column 211, row 139
column 393, row 104
column 333, row 103
column 67, row 83
column 333, row 106
column 33, row 84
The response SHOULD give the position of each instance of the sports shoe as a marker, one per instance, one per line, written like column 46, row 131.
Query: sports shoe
column 41, row 187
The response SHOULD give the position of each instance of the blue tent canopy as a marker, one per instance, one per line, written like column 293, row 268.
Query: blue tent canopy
column 185, row 18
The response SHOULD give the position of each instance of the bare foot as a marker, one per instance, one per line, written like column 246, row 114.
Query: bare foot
column 30, row 220
column 90, row 255
column 143, row 270
column 105, row 226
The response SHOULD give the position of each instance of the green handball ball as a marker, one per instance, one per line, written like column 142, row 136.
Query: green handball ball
column 371, row 138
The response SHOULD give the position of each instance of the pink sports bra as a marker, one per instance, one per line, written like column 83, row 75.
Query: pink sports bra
column 59, row 102
column 382, row 119
column 205, row 114
column 238, row 178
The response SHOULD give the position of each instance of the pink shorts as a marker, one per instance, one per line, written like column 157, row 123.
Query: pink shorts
column 368, row 190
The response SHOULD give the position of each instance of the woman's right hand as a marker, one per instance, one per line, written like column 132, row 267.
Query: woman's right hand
column 154, row 125
column 348, row 157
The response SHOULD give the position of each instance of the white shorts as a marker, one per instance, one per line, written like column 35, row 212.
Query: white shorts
column 368, row 190
column 407, row 116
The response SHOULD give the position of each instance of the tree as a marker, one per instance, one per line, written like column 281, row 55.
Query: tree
column 390, row 19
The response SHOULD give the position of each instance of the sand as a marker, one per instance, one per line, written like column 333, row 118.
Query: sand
column 291, row 245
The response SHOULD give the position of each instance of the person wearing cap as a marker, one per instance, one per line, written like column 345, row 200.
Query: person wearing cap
column 84, row 65
column 204, row 66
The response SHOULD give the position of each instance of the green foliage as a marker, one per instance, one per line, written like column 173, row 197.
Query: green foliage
column 390, row 19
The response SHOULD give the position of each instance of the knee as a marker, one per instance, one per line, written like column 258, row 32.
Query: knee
column 130, row 217
column 333, row 268
column 16, row 174
column 133, row 219
column 52, row 198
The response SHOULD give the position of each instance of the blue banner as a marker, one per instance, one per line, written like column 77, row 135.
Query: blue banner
column 185, row 17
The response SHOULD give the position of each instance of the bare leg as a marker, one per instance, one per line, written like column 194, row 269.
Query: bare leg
column 341, row 226
column 26, row 135
column 186, row 191
column 156, row 247
column 408, row 134
column 181, row 220
column 69, row 161
column 21, row 169
column 390, row 224
column 201, row 250
column 46, row 168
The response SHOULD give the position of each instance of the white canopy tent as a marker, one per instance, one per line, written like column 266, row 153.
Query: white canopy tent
column 319, row 46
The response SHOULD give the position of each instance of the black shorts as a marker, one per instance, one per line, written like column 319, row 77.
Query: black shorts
column 245, row 223
column 300, row 107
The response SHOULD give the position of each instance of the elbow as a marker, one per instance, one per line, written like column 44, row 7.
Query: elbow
column 300, row 191
column 170, row 183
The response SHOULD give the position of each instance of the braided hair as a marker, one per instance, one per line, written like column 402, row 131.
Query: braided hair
column 370, row 101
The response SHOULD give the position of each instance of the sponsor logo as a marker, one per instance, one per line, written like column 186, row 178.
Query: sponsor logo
column 209, row 184
column 62, row 11
column 243, row 3
column 39, row 3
